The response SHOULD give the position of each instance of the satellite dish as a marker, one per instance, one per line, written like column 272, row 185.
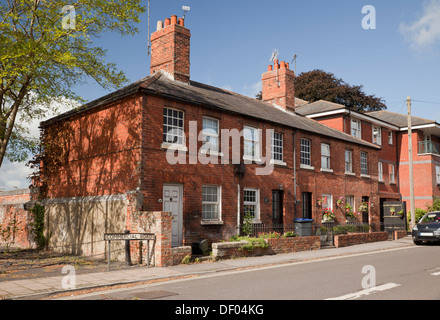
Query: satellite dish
column 274, row 55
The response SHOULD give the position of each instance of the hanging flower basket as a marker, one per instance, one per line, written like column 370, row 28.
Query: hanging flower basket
column 328, row 215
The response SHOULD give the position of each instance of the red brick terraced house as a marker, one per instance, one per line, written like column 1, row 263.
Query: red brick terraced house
column 208, row 156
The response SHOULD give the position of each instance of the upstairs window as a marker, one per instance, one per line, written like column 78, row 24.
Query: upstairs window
column 356, row 128
column 348, row 161
column 377, row 135
column 306, row 152
column 380, row 172
column 173, row 126
column 364, row 163
column 392, row 174
column 210, row 134
column 325, row 156
column 277, row 146
column 251, row 143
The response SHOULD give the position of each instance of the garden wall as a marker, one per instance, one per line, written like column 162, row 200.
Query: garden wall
column 237, row 249
column 15, row 217
column 345, row 240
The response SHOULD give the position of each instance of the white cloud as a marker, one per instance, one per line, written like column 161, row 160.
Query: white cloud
column 252, row 90
column 425, row 31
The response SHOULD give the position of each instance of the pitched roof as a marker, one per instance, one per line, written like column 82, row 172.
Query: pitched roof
column 397, row 119
column 212, row 97
column 318, row 107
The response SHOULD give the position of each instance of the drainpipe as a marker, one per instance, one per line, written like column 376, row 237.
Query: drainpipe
column 238, row 210
column 294, row 171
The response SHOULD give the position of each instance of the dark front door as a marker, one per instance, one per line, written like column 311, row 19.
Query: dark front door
column 366, row 211
column 277, row 207
column 306, row 205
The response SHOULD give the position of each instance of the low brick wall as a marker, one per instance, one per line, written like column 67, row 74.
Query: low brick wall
column 178, row 253
column 296, row 244
column 398, row 234
column 345, row 240
column 228, row 250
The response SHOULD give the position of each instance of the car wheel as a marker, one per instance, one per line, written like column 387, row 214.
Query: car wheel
column 417, row 243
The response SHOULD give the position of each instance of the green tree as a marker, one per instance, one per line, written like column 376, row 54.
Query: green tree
column 47, row 49
column 320, row 85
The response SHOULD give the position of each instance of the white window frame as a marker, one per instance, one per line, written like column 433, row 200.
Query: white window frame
column 349, row 163
column 254, row 140
column 325, row 157
column 380, row 172
column 217, row 203
column 392, row 173
column 255, row 203
column 327, row 204
column 437, row 174
column 350, row 201
column 173, row 130
column 356, row 131
column 377, row 137
column 390, row 137
column 306, row 152
column 277, row 154
column 208, row 135
column 364, row 162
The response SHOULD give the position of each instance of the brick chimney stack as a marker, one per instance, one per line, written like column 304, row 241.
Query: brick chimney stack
column 278, row 85
column 170, row 49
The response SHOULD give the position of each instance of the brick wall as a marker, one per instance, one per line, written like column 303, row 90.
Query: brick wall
column 12, row 207
column 358, row 238
column 228, row 250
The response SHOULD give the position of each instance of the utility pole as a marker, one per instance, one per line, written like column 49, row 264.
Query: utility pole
column 411, row 175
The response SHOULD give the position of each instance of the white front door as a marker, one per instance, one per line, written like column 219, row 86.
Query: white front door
column 173, row 202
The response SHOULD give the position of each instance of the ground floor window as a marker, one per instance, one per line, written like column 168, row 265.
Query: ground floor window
column 211, row 196
column 251, row 201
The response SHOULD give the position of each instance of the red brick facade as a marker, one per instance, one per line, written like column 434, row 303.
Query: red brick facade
column 118, row 146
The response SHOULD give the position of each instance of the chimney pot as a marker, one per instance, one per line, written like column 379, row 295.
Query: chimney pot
column 167, row 22
column 174, row 19
column 159, row 25
column 276, row 64
column 182, row 22
column 269, row 68
column 283, row 65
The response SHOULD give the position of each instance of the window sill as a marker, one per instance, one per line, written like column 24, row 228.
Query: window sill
column 211, row 222
column 173, row 146
column 307, row 167
column 350, row 173
column 365, row 176
column 211, row 153
column 278, row 163
column 327, row 170
column 250, row 159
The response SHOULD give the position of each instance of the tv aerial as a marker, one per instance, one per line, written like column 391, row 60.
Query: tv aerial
column 274, row 55
column 185, row 9
column 294, row 59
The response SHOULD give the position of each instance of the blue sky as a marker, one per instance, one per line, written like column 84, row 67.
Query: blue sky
column 232, row 42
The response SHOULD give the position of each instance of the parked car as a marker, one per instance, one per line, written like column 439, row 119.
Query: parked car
column 427, row 229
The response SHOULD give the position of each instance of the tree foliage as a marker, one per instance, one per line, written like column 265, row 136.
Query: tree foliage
column 41, row 60
column 320, row 85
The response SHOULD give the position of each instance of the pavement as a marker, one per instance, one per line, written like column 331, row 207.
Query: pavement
column 47, row 287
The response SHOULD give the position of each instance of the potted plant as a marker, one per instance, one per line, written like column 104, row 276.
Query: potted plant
column 349, row 214
column 392, row 211
column 328, row 215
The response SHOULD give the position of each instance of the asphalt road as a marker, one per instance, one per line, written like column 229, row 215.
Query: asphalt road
column 408, row 273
